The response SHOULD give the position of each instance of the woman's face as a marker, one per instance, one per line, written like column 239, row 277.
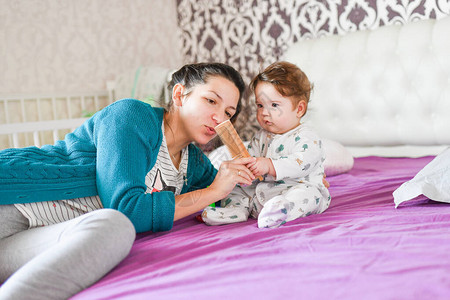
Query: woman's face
column 206, row 106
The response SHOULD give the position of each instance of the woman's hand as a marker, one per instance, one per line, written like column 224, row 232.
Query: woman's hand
column 231, row 173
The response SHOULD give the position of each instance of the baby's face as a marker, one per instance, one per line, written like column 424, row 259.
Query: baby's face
column 274, row 112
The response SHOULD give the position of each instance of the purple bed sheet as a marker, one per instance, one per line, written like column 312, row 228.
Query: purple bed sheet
column 360, row 248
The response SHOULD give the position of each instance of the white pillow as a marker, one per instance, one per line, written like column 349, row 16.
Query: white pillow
column 433, row 181
column 338, row 159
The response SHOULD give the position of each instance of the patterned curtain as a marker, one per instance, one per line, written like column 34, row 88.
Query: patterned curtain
column 251, row 34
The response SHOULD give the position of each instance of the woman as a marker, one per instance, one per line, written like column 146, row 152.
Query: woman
column 69, row 212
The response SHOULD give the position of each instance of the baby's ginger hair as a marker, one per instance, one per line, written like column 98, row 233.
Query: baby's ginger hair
column 288, row 79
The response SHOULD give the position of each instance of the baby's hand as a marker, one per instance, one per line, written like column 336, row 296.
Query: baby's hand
column 260, row 166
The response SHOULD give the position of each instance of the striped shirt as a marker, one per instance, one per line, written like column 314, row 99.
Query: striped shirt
column 164, row 176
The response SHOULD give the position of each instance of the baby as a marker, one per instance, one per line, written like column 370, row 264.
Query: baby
column 287, row 153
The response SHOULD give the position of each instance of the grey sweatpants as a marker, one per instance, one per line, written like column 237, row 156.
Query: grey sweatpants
column 58, row 261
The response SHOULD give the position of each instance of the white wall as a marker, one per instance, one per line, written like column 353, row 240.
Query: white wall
column 77, row 45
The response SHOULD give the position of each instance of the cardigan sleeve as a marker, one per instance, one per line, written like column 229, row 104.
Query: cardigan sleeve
column 128, row 135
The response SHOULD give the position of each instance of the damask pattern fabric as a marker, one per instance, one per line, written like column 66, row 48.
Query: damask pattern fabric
column 250, row 35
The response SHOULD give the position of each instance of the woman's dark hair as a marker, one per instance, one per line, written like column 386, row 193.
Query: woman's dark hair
column 193, row 74
column 288, row 79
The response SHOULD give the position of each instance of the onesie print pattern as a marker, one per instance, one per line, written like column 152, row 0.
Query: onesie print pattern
column 297, row 191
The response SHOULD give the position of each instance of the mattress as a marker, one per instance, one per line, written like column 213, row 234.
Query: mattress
column 360, row 248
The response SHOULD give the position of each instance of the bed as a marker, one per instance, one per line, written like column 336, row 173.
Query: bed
column 381, row 100
column 360, row 248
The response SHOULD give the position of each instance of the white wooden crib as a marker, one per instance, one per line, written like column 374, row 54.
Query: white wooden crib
column 36, row 120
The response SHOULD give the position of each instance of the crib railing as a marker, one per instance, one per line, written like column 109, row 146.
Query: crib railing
column 14, row 130
column 43, row 119
column 37, row 120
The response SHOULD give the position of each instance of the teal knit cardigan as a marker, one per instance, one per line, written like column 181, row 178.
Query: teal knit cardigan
column 109, row 155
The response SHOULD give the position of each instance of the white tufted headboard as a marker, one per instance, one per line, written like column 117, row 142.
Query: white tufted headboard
column 381, row 92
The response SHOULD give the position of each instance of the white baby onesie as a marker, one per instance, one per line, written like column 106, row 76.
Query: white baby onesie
column 297, row 191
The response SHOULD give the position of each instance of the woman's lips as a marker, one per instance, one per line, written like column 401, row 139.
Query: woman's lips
column 210, row 130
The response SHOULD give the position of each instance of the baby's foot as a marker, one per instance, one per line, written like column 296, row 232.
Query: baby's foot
column 273, row 214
